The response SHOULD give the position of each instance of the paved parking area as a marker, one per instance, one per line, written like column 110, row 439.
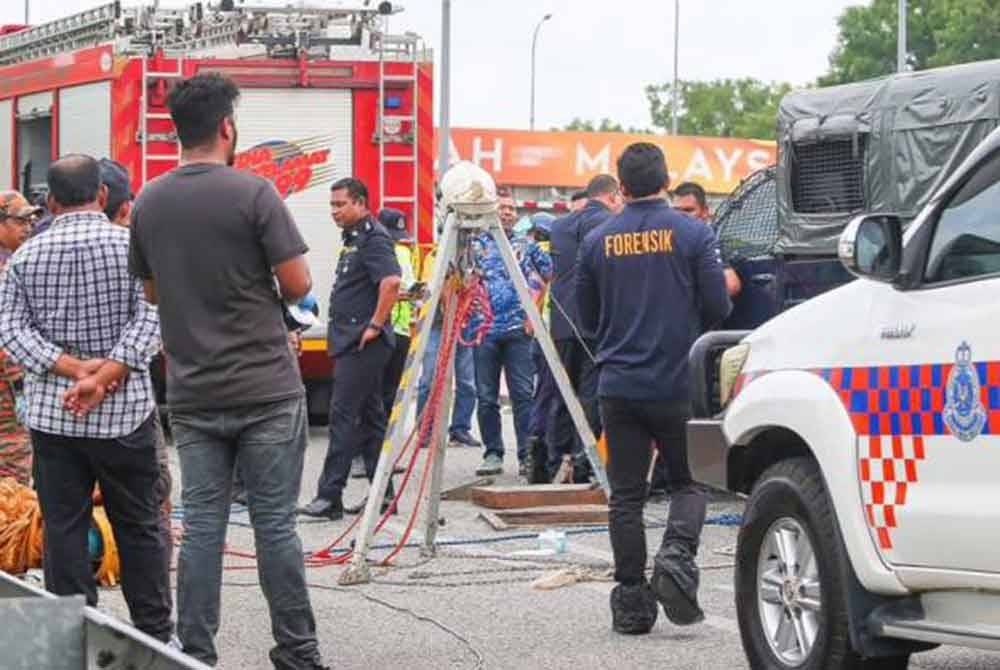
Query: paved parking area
column 467, row 609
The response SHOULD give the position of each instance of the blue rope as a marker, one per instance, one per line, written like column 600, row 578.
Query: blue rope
column 727, row 519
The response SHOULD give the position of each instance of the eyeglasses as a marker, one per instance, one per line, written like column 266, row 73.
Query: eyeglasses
column 21, row 220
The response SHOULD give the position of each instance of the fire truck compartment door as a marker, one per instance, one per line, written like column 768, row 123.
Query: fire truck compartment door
column 85, row 120
column 6, row 145
column 302, row 140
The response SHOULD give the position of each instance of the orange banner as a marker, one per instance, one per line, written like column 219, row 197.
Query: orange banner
column 571, row 159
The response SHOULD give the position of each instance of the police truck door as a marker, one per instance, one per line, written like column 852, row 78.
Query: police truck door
column 929, row 474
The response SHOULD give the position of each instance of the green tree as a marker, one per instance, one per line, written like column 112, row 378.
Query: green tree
column 719, row 108
column 605, row 125
column 939, row 32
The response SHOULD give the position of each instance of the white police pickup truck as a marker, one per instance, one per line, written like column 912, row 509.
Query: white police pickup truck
column 864, row 425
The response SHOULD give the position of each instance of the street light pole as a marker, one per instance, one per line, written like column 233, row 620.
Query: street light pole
column 534, row 44
column 901, row 38
column 444, row 123
column 27, row 12
column 673, row 89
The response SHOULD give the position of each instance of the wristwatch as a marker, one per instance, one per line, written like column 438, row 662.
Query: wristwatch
column 372, row 324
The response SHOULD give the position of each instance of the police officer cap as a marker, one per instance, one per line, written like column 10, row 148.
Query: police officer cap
column 395, row 222
column 115, row 177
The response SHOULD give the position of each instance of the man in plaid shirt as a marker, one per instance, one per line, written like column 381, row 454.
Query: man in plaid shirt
column 78, row 323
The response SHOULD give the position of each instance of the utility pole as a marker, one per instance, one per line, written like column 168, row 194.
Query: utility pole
column 901, row 38
column 534, row 43
column 27, row 12
column 444, row 124
column 675, row 96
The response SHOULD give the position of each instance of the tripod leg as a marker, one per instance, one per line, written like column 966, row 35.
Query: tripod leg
column 396, row 432
column 439, row 441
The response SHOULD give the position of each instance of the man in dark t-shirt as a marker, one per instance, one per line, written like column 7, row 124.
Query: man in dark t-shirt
column 218, row 252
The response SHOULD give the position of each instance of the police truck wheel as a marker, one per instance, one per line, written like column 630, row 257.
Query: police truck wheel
column 791, row 599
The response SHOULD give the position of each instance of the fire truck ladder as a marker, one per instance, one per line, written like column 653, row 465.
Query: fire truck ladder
column 406, row 49
column 149, row 77
column 84, row 29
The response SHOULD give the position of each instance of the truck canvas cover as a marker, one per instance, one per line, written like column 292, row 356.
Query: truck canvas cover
column 882, row 145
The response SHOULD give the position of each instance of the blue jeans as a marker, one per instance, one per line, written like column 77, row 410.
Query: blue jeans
column 270, row 440
column 465, row 382
column 511, row 353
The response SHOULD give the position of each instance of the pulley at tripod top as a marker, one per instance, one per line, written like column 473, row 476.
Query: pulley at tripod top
column 468, row 190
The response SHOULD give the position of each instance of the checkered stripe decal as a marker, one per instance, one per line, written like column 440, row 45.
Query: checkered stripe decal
column 888, row 469
column 893, row 408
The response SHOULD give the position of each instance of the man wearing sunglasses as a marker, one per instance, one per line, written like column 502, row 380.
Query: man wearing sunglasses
column 17, row 216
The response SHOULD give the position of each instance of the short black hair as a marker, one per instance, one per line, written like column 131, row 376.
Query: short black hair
column 354, row 187
column 642, row 169
column 602, row 184
column 199, row 104
column 74, row 180
column 692, row 189
column 579, row 195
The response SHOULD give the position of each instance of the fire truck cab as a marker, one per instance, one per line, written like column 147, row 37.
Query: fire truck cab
column 326, row 93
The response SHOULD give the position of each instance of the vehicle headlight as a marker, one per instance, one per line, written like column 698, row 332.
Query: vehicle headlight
column 730, row 366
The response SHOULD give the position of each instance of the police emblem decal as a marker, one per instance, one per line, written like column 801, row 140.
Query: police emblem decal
column 964, row 413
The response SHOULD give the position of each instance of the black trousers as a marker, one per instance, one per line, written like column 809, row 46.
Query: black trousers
column 394, row 371
column 631, row 425
column 562, row 436
column 128, row 473
column 357, row 416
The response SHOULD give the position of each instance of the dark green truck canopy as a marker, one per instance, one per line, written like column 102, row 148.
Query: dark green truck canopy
column 882, row 145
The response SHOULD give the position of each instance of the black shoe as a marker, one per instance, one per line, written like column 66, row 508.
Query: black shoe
column 679, row 607
column 283, row 660
column 633, row 608
column 324, row 509
column 463, row 438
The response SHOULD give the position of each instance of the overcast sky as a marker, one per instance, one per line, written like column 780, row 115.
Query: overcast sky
column 594, row 56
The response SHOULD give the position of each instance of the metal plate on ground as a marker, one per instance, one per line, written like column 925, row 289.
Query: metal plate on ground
column 545, row 517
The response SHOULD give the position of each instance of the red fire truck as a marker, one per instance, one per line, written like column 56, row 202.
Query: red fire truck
column 326, row 93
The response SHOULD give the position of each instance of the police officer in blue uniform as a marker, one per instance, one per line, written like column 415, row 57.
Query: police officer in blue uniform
column 647, row 281
column 575, row 348
column 360, row 340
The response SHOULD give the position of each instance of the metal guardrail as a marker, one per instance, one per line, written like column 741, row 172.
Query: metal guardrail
column 41, row 630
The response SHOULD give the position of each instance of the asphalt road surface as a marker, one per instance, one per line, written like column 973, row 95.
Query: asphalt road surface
column 467, row 609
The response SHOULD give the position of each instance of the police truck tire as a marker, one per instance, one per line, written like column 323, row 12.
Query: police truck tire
column 791, row 599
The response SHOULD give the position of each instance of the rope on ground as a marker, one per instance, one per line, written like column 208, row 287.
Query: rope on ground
column 20, row 528
column 22, row 534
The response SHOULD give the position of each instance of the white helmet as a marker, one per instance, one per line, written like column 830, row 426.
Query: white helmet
column 468, row 189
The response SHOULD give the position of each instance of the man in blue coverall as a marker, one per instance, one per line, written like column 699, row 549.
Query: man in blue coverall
column 647, row 280
column 507, row 346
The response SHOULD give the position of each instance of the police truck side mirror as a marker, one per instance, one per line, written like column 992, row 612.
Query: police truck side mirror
column 872, row 246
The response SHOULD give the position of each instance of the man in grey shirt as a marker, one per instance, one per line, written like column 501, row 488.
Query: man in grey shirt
column 209, row 242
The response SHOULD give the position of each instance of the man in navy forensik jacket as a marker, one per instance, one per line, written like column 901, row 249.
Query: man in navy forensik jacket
column 647, row 281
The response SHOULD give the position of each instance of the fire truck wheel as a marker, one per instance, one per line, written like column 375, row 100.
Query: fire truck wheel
column 791, row 598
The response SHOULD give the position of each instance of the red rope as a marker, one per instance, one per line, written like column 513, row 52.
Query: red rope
column 471, row 298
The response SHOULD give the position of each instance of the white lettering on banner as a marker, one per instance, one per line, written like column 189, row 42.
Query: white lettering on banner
column 698, row 167
column 496, row 155
column 758, row 159
column 728, row 162
column 453, row 155
column 600, row 162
